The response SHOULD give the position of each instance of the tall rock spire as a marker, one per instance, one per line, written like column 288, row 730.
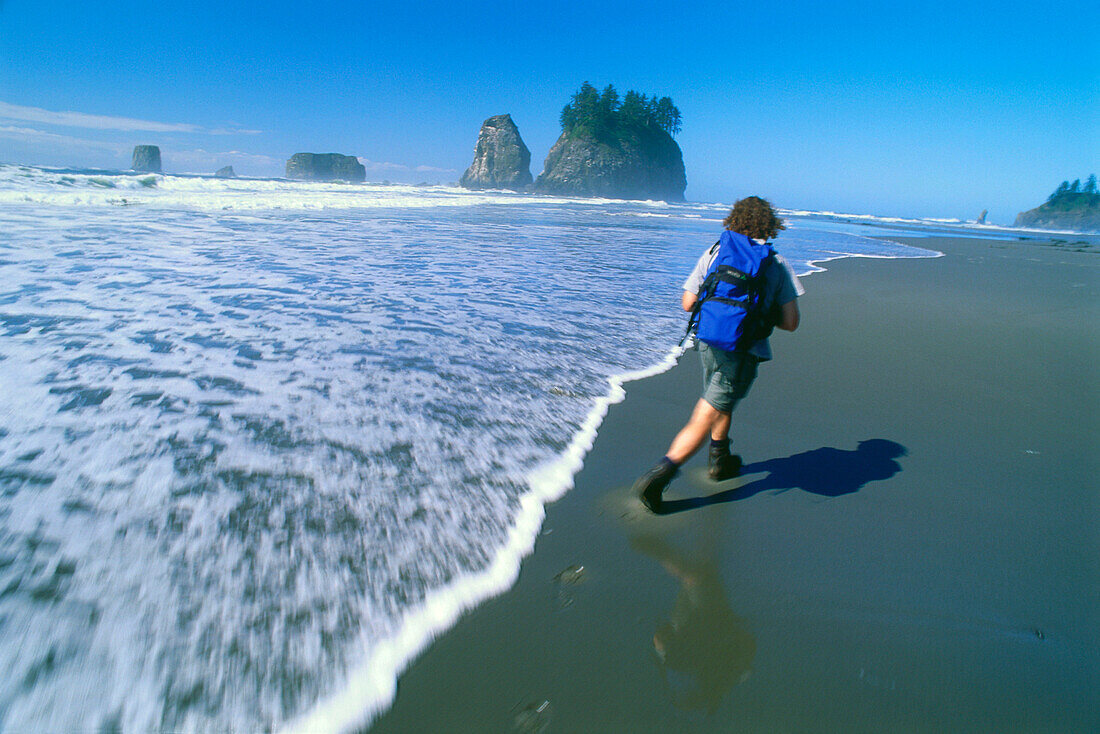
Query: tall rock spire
column 501, row 160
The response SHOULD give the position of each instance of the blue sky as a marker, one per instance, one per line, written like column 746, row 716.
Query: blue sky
column 930, row 109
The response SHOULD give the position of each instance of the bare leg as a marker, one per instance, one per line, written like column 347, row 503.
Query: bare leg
column 720, row 431
column 705, row 422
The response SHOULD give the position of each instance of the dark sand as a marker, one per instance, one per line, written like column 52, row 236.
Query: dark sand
column 955, row 587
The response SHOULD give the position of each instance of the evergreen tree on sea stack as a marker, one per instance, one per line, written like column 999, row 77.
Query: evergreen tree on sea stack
column 602, row 113
column 616, row 147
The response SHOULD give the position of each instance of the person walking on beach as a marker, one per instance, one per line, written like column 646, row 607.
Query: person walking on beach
column 728, row 374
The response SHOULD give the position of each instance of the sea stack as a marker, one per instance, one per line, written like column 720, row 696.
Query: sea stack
column 146, row 159
column 616, row 148
column 325, row 167
column 643, row 163
column 501, row 159
column 226, row 172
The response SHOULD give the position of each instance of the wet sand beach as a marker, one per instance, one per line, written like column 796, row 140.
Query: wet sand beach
column 913, row 544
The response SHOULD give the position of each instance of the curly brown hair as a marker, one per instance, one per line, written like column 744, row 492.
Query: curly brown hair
column 754, row 217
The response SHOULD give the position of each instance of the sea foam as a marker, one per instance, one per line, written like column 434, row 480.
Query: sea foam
column 371, row 687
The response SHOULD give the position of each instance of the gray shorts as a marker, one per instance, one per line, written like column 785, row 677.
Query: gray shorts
column 727, row 376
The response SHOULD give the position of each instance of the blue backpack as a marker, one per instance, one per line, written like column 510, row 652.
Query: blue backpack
column 729, row 311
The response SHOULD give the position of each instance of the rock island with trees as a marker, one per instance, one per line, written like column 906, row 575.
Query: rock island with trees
column 614, row 147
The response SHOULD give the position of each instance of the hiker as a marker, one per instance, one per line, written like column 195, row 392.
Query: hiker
column 738, row 292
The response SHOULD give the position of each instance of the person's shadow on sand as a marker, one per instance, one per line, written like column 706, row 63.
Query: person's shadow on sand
column 826, row 471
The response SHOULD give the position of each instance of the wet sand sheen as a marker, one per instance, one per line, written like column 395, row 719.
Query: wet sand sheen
column 913, row 545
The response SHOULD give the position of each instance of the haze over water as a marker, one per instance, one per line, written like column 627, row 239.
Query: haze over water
column 249, row 426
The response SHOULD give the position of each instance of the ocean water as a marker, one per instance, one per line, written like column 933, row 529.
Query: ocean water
column 260, row 440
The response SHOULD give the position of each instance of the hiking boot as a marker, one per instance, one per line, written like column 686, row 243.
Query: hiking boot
column 652, row 484
column 721, row 464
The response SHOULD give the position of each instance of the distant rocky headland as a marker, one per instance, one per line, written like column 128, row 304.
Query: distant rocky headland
column 1073, row 206
column 610, row 147
column 501, row 159
column 325, row 167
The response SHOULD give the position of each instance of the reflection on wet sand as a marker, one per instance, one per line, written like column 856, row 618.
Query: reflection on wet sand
column 704, row 650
